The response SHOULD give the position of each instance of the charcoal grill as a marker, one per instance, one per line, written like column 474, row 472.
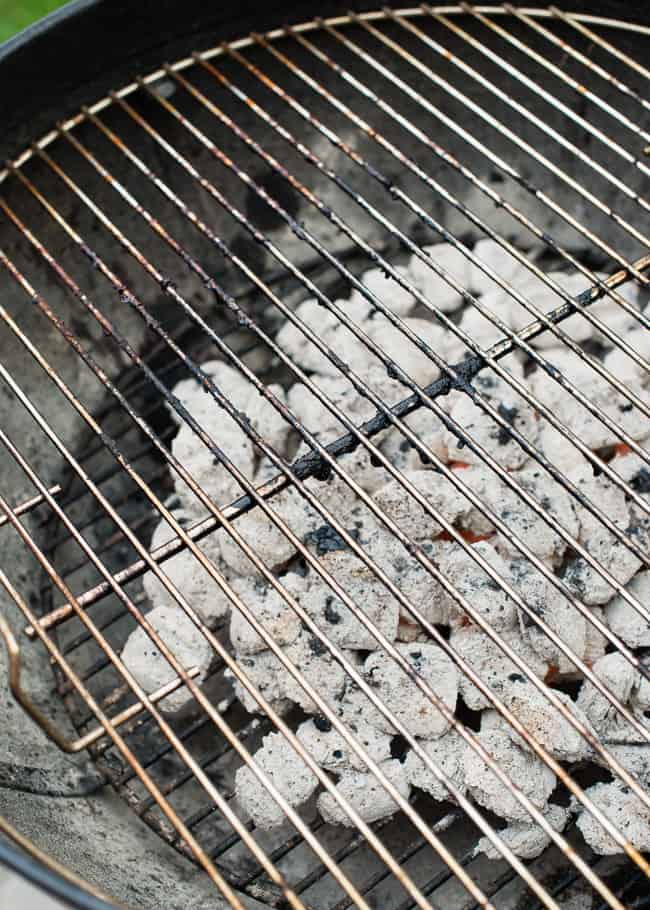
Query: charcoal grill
column 181, row 218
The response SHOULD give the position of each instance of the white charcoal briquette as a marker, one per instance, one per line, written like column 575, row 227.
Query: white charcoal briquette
column 499, row 260
column 427, row 428
column 386, row 288
column 266, row 420
column 205, row 468
column 267, row 540
column 545, row 299
column 327, row 326
column 493, row 667
column 482, row 481
column 193, row 396
column 288, row 773
column 315, row 664
column 270, row 609
column 524, row 770
column 624, row 810
column 402, row 696
column 483, row 429
column 526, row 839
column 416, row 583
column 330, row 750
column 491, row 719
column 357, row 306
column 624, row 620
column 634, row 757
column 409, row 514
column 545, row 723
column 358, row 467
column 624, row 414
column 614, row 315
column 390, row 391
column 603, row 493
column 261, row 533
column 624, row 367
column 558, row 448
column 434, row 287
column 484, row 593
column 418, row 365
column 264, row 671
column 292, row 340
column 498, row 305
column 370, row 596
column 317, row 418
column 595, row 643
column 447, row 753
column 574, row 369
column 151, row 669
column 186, row 573
column 528, row 526
column 640, row 697
column 317, row 667
column 479, row 328
column 350, row 346
column 604, row 397
column 560, row 615
column 601, row 543
column 619, row 677
column 365, row 795
column 410, row 632
column 254, row 407
column 635, row 472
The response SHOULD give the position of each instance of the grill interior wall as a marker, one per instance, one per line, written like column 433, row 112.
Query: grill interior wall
column 93, row 818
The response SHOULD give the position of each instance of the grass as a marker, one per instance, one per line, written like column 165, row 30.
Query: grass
column 15, row 16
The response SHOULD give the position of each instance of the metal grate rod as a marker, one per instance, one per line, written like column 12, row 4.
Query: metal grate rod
column 31, row 504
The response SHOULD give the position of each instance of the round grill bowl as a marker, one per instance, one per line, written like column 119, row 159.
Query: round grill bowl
column 88, row 844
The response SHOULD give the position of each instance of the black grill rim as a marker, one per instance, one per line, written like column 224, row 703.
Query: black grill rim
column 48, row 880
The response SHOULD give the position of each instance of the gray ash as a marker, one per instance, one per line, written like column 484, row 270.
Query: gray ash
column 326, row 540
column 509, row 415
column 640, row 483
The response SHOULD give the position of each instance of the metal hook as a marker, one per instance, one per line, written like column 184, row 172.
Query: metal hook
column 13, row 653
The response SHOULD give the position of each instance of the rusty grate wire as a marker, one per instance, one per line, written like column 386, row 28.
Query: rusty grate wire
column 309, row 100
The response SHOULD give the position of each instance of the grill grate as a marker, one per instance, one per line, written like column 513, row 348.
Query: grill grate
column 298, row 140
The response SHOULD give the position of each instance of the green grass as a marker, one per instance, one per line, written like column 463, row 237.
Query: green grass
column 15, row 16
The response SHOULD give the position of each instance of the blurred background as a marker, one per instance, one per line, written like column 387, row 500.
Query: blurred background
column 14, row 15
